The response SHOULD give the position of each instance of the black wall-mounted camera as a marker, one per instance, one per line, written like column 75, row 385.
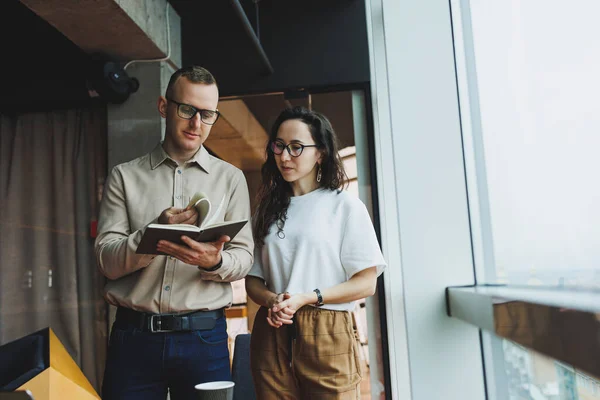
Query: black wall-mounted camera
column 109, row 81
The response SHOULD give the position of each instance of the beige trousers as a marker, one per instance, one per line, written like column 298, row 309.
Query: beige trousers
column 317, row 358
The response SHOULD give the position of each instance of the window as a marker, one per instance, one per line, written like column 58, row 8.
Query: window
column 529, row 72
column 537, row 66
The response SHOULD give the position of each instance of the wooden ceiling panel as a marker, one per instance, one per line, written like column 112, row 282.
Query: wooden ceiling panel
column 238, row 137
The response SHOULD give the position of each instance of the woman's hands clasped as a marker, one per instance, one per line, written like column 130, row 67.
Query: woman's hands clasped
column 283, row 307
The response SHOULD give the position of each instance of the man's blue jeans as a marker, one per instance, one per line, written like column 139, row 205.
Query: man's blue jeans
column 143, row 365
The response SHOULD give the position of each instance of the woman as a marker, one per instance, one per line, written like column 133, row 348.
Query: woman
column 316, row 253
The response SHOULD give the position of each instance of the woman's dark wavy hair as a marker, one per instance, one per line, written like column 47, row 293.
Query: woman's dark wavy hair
column 274, row 194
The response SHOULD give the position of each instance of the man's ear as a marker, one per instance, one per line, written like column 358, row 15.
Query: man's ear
column 162, row 106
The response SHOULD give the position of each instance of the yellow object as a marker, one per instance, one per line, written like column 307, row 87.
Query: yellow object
column 236, row 312
column 63, row 379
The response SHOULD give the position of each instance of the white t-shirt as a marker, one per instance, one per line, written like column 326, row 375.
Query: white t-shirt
column 329, row 237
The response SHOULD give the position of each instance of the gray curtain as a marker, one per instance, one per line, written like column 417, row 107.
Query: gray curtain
column 53, row 165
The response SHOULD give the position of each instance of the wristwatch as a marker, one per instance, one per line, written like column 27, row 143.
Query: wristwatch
column 319, row 302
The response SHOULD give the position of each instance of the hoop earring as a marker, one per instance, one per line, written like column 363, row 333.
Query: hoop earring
column 319, row 174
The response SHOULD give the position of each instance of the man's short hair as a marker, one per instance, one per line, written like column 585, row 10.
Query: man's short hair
column 194, row 74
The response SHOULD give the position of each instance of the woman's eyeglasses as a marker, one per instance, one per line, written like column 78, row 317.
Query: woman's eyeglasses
column 294, row 149
column 186, row 111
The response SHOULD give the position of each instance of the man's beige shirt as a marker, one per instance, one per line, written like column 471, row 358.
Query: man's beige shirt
column 134, row 196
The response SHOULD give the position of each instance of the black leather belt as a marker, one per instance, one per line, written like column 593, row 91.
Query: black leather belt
column 195, row 321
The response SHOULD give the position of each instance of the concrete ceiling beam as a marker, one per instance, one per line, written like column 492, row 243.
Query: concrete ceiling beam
column 123, row 29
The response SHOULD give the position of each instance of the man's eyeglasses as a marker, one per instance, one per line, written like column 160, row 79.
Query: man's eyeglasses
column 294, row 149
column 186, row 111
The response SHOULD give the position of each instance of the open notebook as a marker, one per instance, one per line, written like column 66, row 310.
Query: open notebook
column 205, row 232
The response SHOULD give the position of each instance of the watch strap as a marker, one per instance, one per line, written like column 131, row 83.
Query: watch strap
column 216, row 267
column 319, row 302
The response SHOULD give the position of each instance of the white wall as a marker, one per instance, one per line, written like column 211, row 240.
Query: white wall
column 422, row 199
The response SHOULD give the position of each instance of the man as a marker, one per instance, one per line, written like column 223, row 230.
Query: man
column 170, row 330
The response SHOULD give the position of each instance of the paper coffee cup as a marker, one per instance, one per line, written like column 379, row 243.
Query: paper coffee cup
column 218, row 390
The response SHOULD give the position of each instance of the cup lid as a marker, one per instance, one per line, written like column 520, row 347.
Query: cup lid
column 215, row 385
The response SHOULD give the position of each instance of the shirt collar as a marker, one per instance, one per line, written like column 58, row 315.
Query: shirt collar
column 202, row 158
column 159, row 155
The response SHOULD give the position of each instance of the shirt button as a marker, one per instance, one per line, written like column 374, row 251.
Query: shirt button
column 167, row 288
column 178, row 197
column 179, row 171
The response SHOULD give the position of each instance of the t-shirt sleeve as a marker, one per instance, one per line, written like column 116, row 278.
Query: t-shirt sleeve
column 360, row 248
column 257, row 267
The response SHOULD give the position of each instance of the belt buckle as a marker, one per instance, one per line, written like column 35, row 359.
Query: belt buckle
column 159, row 323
